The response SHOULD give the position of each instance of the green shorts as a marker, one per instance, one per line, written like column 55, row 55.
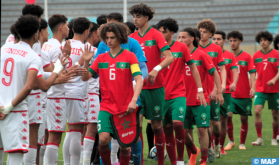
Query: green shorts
column 198, row 115
column 214, row 111
column 224, row 109
column 104, row 124
column 241, row 106
column 152, row 103
column 271, row 98
column 174, row 109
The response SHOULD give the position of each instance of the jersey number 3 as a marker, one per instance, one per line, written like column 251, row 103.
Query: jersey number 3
column 8, row 73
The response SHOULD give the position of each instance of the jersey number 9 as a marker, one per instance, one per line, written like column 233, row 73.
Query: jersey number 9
column 8, row 73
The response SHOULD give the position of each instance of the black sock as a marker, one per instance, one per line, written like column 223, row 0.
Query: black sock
column 150, row 136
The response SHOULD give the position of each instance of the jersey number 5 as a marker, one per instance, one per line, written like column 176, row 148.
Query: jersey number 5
column 112, row 74
column 8, row 73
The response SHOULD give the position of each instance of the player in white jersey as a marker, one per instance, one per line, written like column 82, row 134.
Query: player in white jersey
column 19, row 69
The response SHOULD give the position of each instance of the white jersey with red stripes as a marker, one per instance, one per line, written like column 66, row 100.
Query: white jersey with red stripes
column 37, row 48
column 10, row 39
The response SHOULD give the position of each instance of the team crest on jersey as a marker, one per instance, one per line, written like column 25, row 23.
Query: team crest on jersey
column 126, row 124
column 203, row 116
column 181, row 109
column 157, row 109
column 216, row 111
column 122, row 66
column 175, row 55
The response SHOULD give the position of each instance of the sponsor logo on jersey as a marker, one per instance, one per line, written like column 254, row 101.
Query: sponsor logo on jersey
column 265, row 60
column 24, row 130
column 157, row 115
column 157, row 109
column 57, row 100
column 92, row 112
column 23, row 114
column 24, row 122
column 181, row 109
column 58, row 114
column 58, row 108
column 125, row 124
column 58, row 121
column 24, row 138
column 204, row 122
column 203, row 116
column 181, row 116
column 38, row 96
column 39, row 111
column 112, row 65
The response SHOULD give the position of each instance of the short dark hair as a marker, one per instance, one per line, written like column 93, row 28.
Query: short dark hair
column 26, row 26
column 43, row 25
column 119, row 29
column 116, row 16
column 94, row 28
column 55, row 20
column 276, row 41
column 264, row 34
column 192, row 33
column 81, row 24
column 222, row 33
column 13, row 32
column 70, row 26
column 155, row 26
column 198, row 33
column 169, row 23
column 235, row 34
column 33, row 9
column 102, row 19
column 142, row 9
column 208, row 25
column 131, row 26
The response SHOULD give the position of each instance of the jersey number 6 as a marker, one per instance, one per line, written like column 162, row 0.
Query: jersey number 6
column 112, row 74
column 8, row 73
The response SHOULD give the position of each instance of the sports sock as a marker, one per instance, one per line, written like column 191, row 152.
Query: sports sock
column 204, row 155
column 170, row 144
column 136, row 152
column 212, row 138
column 278, row 130
column 222, row 139
column 258, row 126
column 150, row 136
column 81, row 154
column 15, row 158
column 87, row 149
column 160, row 145
column 188, row 152
column 141, row 138
column 75, row 146
column 30, row 156
column 105, row 154
column 209, row 138
column 192, row 147
column 42, row 154
column 216, row 137
column 244, row 130
column 230, row 128
column 66, row 148
column 2, row 155
column 275, row 130
column 114, row 150
column 51, row 155
column 180, row 139
column 124, row 157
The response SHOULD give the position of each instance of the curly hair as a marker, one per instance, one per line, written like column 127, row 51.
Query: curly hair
column 116, row 16
column 142, row 9
column 235, row 34
column 13, row 32
column 192, row 33
column 208, row 25
column 55, row 20
column 70, row 26
column 26, row 26
column 43, row 25
column 276, row 41
column 131, row 26
column 119, row 29
column 93, row 28
column 264, row 34
column 102, row 19
column 81, row 24
column 198, row 33
column 33, row 9
column 222, row 33
column 169, row 23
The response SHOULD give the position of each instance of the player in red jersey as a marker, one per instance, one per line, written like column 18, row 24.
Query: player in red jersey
column 241, row 102
column 175, row 100
column 112, row 74
column 276, row 47
column 153, row 93
column 219, row 38
column 207, row 29
column 267, row 85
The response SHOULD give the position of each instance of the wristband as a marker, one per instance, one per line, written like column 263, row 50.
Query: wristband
column 157, row 68
column 77, row 64
column 200, row 90
column 7, row 108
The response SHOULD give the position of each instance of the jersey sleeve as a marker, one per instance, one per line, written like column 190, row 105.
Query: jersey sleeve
column 208, row 64
column 40, row 72
column 277, row 60
column 35, row 64
column 233, row 65
column 251, row 66
column 134, row 65
column 220, row 57
column 135, row 48
column 161, row 42
column 187, row 55
column 55, row 54
column 101, row 49
column 37, row 48
column 94, row 69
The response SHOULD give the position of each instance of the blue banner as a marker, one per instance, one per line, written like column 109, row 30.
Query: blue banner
column 260, row 161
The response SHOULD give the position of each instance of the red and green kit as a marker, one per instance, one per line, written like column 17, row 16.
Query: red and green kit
column 230, row 63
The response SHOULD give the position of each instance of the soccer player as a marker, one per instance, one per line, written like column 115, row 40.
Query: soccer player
column 70, row 26
column 175, row 100
column 266, row 61
column 114, row 100
column 131, row 26
column 19, row 71
column 198, row 112
column 219, row 38
column 15, row 35
column 276, row 42
column 241, row 102
column 207, row 29
column 153, row 44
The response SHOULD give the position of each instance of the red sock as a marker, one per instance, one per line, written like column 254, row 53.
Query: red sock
column 125, row 156
column 204, row 155
column 188, row 152
column 217, row 136
column 244, row 131
column 278, row 130
column 160, row 145
column 192, row 147
column 258, row 126
column 141, row 138
column 170, row 144
column 180, row 139
column 275, row 130
column 222, row 139
column 105, row 154
column 230, row 128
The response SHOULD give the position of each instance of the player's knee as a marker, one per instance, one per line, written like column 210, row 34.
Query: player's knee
column 156, row 125
column 178, row 126
column 168, row 130
column 244, row 120
column 202, row 131
column 104, row 141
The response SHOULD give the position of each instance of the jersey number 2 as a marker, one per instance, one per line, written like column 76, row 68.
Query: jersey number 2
column 8, row 73
column 188, row 71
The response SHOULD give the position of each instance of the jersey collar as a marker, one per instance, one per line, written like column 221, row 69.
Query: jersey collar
column 206, row 45
column 23, row 43
column 193, row 50
column 267, row 52
column 172, row 43
column 239, row 53
column 117, row 53
column 145, row 32
column 224, row 50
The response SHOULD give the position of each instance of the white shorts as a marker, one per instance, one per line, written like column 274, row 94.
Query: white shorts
column 76, row 112
column 41, row 132
column 56, row 115
column 35, row 108
column 94, row 108
column 14, row 132
column 86, row 106
column 45, row 119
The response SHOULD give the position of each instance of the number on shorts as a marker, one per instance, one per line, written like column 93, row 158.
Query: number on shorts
column 112, row 74
column 99, row 127
column 8, row 73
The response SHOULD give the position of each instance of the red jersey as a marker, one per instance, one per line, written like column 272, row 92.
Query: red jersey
column 204, row 65
column 230, row 63
column 174, row 73
column 267, row 66
column 115, row 80
column 245, row 64
column 152, row 43
column 216, row 52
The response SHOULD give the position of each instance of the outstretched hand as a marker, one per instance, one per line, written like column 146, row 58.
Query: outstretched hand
column 86, row 53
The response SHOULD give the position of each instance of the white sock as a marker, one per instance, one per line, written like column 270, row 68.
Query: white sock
column 75, row 147
column 15, row 158
column 2, row 155
column 30, row 156
column 42, row 154
column 51, row 155
column 66, row 149
column 87, row 150
column 81, row 155
column 114, row 150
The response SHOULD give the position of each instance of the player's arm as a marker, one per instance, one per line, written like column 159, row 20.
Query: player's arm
column 273, row 81
column 87, row 56
column 235, row 79
column 253, row 83
column 223, row 77
column 217, row 81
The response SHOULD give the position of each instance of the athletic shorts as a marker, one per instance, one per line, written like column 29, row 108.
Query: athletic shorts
column 94, row 108
column 197, row 115
column 224, row 109
column 271, row 98
column 45, row 119
column 56, row 115
column 76, row 112
column 104, row 124
column 214, row 111
column 241, row 106
column 152, row 103
column 86, row 106
column 41, row 132
column 35, row 108
column 174, row 109
column 14, row 132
